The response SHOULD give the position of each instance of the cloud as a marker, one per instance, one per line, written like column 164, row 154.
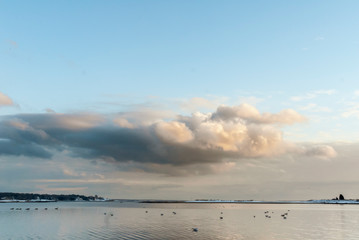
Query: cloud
column 352, row 110
column 312, row 107
column 175, row 132
column 195, row 144
column 313, row 94
column 196, row 103
column 251, row 114
column 320, row 151
column 325, row 92
column 49, row 110
column 141, row 117
column 123, row 122
column 28, row 149
column 5, row 100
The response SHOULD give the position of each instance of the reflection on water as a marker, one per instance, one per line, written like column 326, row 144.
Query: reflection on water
column 115, row 220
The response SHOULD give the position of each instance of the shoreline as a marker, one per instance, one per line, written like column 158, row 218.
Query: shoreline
column 347, row 202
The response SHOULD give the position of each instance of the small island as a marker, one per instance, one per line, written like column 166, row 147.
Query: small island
column 6, row 197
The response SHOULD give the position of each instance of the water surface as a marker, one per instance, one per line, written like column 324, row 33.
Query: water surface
column 116, row 220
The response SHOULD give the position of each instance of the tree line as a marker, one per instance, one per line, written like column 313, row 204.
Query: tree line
column 48, row 197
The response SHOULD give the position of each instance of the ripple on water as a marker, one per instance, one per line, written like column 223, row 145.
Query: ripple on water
column 87, row 221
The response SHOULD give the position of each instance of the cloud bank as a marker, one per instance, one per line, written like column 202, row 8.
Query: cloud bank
column 197, row 144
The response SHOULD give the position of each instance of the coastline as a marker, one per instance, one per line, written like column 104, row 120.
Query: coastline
column 323, row 201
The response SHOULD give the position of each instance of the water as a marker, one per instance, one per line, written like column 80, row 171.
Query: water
column 85, row 220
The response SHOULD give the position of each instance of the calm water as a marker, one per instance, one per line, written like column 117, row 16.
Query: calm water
column 75, row 220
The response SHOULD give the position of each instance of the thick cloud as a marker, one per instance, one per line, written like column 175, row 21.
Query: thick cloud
column 5, row 100
column 249, row 113
column 204, row 141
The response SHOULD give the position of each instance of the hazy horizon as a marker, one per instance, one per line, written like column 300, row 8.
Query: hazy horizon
column 180, row 100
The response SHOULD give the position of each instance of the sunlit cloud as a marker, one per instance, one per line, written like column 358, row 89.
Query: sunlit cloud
column 5, row 100
column 250, row 114
column 198, row 103
column 200, row 143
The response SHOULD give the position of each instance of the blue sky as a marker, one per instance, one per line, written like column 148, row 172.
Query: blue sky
column 149, row 66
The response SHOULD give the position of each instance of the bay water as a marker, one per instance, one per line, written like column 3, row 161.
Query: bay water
column 133, row 220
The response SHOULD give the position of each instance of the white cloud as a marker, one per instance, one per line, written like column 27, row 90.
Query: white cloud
column 312, row 94
column 353, row 110
column 312, row 107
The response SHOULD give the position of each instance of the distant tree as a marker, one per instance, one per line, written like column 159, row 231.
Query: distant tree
column 341, row 197
column 53, row 197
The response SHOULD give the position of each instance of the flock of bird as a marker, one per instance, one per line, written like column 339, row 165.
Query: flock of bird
column 27, row 209
column 284, row 216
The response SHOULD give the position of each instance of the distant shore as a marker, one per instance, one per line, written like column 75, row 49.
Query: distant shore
column 9, row 197
column 322, row 201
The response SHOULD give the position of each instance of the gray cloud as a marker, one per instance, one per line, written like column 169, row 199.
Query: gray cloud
column 17, row 149
column 196, row 144
column 320, row 151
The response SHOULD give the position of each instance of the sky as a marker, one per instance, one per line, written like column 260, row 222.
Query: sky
column 180, row 99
